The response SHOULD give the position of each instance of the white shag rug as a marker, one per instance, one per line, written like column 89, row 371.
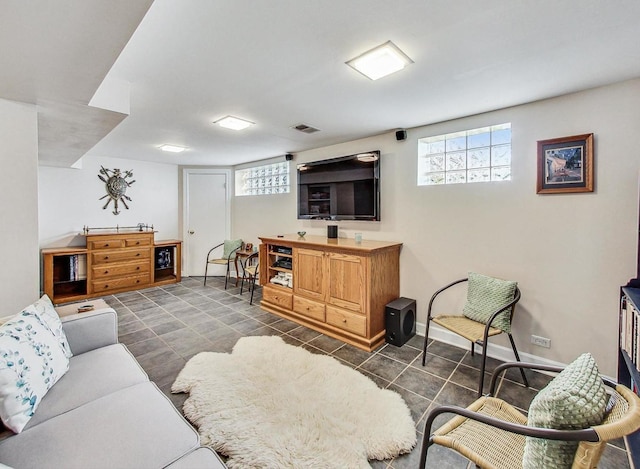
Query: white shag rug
column 273, row 405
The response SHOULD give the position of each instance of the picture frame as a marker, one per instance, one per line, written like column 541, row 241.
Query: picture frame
column 565, row 165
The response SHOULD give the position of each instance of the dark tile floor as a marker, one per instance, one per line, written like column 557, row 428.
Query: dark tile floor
column 165, row 326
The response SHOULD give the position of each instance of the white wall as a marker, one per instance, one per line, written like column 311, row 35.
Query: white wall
column 19, row 283
column 569, row 252
column 69, row 200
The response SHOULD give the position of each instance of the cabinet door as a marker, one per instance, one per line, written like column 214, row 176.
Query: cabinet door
column 309, row 273
column 347, row 281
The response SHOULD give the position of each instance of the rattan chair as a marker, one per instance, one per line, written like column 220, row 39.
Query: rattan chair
column 492, row 434
column 249, row 273
column 475, row 332
column 222, row 260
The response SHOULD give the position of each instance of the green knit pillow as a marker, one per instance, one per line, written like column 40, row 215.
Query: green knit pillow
column 573, row 400
column 230, row 245
column 485, row 295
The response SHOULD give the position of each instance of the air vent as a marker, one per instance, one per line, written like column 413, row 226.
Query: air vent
column 307, row 129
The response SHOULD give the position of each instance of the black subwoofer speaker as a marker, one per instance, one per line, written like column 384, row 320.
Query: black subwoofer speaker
column 400, row 321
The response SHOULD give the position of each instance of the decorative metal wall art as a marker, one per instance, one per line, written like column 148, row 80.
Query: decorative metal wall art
column 116, row 184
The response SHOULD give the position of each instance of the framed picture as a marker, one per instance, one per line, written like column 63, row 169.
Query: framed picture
column 565, row 164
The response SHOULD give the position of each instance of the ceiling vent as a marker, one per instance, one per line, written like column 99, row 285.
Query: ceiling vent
column 307, row 129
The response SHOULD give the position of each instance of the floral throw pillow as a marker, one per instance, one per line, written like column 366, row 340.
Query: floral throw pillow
column 45, row 309
column 31, row 362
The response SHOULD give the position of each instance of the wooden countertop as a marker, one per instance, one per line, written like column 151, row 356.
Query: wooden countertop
column 324, row 242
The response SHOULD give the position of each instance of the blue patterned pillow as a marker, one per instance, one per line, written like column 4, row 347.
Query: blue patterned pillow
column 31, row 362
column 45, row 309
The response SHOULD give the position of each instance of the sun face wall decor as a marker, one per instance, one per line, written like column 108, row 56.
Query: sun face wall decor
column 116, row 185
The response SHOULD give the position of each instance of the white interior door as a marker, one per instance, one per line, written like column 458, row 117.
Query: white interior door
column 207, row 217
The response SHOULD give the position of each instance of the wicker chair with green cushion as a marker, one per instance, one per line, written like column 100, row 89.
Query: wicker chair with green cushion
column 249, row 273
column 229, row 248
column 488, row 312
column 494, row 435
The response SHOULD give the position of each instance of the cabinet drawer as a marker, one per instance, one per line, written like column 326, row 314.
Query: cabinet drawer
column 107, row 271
column 309, row 308
column 107, row 257
column 350, row 322
column 140, row 241
column 122, row 282
column 105, row 243
column 277, row 297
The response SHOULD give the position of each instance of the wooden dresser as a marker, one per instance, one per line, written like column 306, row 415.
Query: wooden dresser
column 111, row 262
column 337, row 287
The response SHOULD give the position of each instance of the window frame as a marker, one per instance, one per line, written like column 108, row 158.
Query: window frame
column 482, row 154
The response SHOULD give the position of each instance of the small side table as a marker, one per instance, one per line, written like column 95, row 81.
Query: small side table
column 240, row 254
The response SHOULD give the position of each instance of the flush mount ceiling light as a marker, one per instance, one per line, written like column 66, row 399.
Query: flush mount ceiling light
column 233, row 123
column 172, row 148
column 380, row 61
column 367, row 157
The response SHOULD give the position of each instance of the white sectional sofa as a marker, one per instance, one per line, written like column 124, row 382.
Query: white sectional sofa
column 104, row 412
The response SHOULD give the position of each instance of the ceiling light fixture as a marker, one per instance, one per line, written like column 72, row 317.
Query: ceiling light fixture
column 380, row 61
column 233, row 123
column 367, row 157
column 172, row 148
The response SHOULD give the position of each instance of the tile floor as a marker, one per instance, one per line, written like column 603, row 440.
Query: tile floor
column 165, row 326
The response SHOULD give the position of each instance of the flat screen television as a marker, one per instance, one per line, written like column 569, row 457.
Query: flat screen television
column 344, row 188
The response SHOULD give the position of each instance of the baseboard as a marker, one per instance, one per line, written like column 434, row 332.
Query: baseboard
column 493, row 350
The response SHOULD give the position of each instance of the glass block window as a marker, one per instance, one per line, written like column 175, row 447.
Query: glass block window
column 263, row 180
column 477, row 155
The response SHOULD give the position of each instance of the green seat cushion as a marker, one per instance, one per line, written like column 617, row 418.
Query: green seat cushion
column 573, row 400
column 485, row 295
column 230, row 245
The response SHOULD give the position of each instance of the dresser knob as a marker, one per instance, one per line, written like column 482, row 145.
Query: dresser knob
column 106, row 272
column 106, row 245
column 138, row 255
column 106, row 286
column 344, row 320
column 106, row 257
column 138, row 268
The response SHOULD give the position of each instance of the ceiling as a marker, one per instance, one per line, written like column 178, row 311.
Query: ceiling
column 282, row 62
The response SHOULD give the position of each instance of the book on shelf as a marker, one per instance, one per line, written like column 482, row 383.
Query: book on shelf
column 630, row 331
column 77, row 267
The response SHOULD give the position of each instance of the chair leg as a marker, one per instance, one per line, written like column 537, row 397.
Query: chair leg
column 483, row 366
column 473, row 348
column 515, row 352
column 206, row 267
column 426, row 340
column 427, row 440
column 226, row 277
column 242, row 283
column 253, row 287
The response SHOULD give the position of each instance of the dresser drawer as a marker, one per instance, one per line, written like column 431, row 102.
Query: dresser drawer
column 347, row 321
column 109, row 284
column 138, row 241
column 308, row 308
column 115, row 270
column 122, row 255
column 104, row 243
column 277, row 297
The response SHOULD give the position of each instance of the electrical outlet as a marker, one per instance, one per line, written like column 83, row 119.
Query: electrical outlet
column 540, row 341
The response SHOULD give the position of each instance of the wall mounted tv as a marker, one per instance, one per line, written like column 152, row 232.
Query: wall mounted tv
column 344, row 188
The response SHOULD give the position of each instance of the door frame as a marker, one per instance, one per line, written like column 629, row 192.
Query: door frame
column 186, row 172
